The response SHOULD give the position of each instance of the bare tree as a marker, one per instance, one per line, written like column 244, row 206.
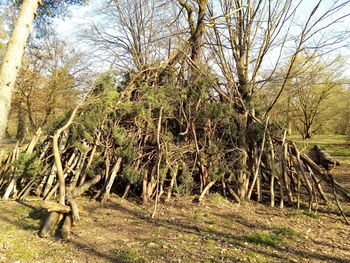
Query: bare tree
column 245, row 34
column 132, row 33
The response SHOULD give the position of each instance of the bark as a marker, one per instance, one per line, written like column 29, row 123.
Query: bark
column 57, row 154
column 10, row 188
column 34, row 141
column 257, row 168
column 205, row 190
column 272, row 180
column 172, row 182
column 50, row 180
column 233, row 194
column 66, row 227
column 25, row 191
column 242, row 182
column 21, row 125
column 145, row 197
column 109, row 183
column 50, row 223
column 126, row 191
column 12, row 59
column 81, row 189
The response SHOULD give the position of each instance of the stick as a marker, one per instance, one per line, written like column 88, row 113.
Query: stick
column 259, row 160
column 159, row 160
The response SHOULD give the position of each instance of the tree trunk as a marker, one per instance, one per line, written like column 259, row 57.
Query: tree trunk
column 21, row 125
column 242, row 180
column 12, row 59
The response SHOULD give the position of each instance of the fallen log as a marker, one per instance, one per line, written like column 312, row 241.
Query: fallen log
column 322, row 158
column 325, row 176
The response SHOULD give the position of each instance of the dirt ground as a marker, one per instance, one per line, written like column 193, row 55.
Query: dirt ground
column 214, row 231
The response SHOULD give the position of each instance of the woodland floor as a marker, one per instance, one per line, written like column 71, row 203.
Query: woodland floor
column 213, row 231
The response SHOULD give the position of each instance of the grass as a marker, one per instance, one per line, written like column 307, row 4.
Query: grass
column 310, row 214
column 217, row 200
column 284, row 232
column 271, row 238
column 267, row 239
column 302, row 213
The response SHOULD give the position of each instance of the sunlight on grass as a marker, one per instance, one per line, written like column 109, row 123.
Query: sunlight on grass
column 271, row 239
column 263, row 238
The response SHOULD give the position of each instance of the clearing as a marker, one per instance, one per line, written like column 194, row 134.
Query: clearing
column 183, row 231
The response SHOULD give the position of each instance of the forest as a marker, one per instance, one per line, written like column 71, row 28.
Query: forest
column 178, row 114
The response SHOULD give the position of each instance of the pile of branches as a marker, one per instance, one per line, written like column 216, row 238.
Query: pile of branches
column 156, row 134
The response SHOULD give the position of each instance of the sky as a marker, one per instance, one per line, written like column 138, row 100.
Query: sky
column 69, row 28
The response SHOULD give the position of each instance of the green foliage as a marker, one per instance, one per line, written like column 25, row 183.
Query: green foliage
column 185, row 184
column 132, row 175
column 98, row 166
column 102, row 106
column 255, row 132
column 27, row 165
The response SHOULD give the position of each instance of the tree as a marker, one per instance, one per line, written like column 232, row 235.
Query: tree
column 131, row 33
column 12, row 59
column 312, row 90
column 49, row 83
column 3, row 36
column 308, row 95
column 15, row 48
column 243, row 36
column 189, row 122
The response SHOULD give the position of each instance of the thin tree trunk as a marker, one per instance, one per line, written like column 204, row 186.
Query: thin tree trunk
column 9, row 189
column 272, row 181
column 21, row 125
column 13, row 57
column 206, row 189
column 126, row 191
column 257, row 168
column 172, row 182
column 108, row 186
column 50, row 180
column 145, row 196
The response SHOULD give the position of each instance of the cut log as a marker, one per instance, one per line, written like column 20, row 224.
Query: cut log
column 66, row 227
column 50, row 224
column 56, row 207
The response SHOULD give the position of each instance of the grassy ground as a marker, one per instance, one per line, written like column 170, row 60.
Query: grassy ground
column 213, row 231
